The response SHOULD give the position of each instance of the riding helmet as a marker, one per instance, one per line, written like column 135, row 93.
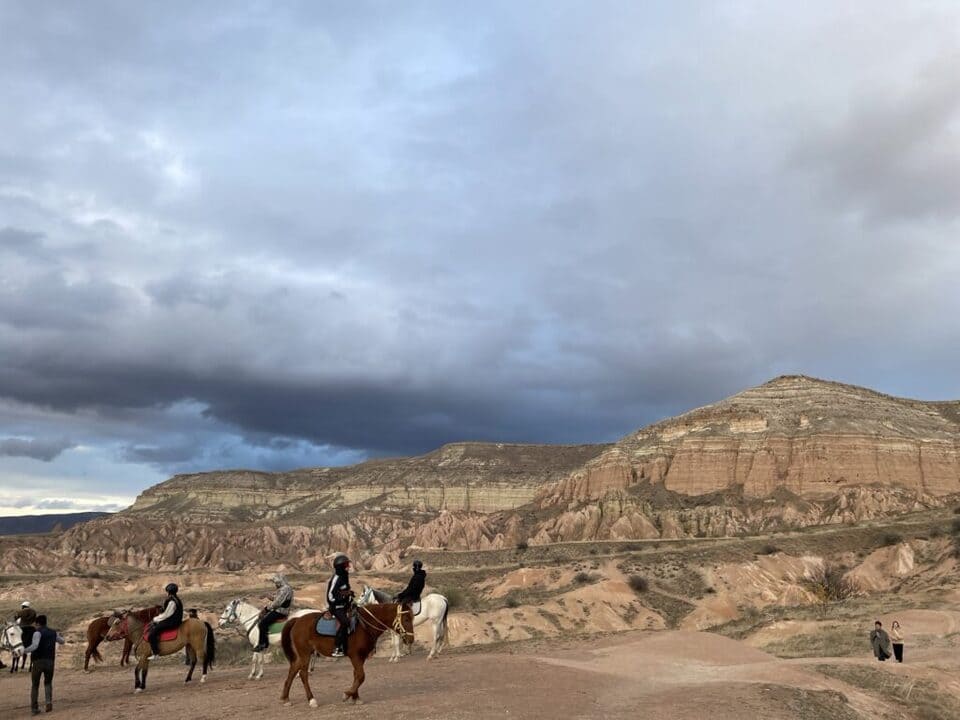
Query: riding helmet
column 341, row 561
column 25, row 604
column 417, row 565
column 171, row 589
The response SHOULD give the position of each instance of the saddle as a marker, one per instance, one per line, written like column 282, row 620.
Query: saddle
column 327, row 623
column 164, row 636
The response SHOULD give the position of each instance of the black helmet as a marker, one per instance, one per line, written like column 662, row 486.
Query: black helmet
column 417, row 565
column 340, row 561
column 171, row 588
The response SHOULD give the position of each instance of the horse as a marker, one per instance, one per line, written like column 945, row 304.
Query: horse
column 247, row 616
column 11, row 639
column 300, row 640
column 433, row 608
column 97, row 632
column 194, row 634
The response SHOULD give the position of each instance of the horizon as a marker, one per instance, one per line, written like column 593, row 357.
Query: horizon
column 301, row 236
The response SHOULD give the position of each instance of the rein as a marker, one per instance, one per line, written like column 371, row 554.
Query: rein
column 382, row 626
column 234, row 617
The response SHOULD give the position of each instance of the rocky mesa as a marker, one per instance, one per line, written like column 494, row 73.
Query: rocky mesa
column 793, row 452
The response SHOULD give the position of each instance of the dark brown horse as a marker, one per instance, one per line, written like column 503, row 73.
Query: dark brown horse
column 300, row 640
column 97, row 632
column 193, row 634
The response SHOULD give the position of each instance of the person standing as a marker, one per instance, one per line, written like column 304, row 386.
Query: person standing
column 880, row 642
column 43, row 654
column 896, row 635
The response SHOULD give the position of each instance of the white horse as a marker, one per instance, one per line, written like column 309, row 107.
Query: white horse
column 12, row 639
column 433, row 608
column 247, row 616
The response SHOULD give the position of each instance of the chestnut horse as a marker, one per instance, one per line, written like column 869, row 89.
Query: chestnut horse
column 194, row 634
column 97, row 632
column 300, row 640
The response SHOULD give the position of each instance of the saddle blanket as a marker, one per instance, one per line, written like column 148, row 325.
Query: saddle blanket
column 276, row 628
column 164, row 636
column 327, row 624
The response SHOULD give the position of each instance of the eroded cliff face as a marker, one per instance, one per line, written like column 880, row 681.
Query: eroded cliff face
column 792, row 453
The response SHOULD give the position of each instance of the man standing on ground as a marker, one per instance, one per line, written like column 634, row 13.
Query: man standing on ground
column 880, row 642
column 44, row 653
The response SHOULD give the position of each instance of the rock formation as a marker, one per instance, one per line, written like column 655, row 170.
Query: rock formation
column 791, row 453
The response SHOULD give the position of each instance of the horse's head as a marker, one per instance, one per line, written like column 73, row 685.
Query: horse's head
column 366, row 597
column 119, row 625
column 12, row 638
column 229, row 614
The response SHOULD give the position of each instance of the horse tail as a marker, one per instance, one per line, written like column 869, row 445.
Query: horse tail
column 286, row 642
column 443, row 635
column 211, row 653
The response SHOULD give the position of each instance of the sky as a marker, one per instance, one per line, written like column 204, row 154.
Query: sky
column 276, row 234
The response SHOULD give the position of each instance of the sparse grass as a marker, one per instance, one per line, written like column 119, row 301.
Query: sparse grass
column 768, row 549
column 925, row 698
column 584, row 578
column 829, row 585
column 891, row 538
column 522, row 545
column 828, row 641
column 512, row 600
column 455, row 597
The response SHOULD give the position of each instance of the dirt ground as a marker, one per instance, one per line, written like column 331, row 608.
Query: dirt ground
column 675, row 675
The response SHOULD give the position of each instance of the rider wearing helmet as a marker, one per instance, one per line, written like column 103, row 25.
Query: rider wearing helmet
column 339, row 597
column 279, row 609
column 171, row 617
column 26, row 615
column 411, row 593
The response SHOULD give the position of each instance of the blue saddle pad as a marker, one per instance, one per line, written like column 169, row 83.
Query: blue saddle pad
column 328, row 625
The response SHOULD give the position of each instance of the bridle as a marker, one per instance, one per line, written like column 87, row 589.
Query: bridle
column 397, row 625
column 230, row 615
column 9, row 645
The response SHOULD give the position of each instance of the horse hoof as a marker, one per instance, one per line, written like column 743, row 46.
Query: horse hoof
column 313, row 702
column 203, row 679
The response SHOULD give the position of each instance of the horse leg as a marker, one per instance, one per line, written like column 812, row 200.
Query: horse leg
column 125, row 655
column 291, row 673
column 193, row 664
column 358, row 677
column 253, row 665
column 395, row 650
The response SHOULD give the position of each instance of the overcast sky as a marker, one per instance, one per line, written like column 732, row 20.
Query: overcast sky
column 286, row 234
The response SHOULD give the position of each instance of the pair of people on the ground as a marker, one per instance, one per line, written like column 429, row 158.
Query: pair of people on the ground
column 886, row 645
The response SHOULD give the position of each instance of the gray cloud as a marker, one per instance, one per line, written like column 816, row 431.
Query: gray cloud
column 301, row 236
column 45, row 449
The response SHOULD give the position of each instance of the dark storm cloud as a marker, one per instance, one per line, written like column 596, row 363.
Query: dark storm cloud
column 296, row 234
column 45, row 449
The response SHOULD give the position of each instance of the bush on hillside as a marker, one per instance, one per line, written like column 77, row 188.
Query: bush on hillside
column 638, row 583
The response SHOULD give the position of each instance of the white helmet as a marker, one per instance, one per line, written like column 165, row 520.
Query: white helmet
column 25, row 604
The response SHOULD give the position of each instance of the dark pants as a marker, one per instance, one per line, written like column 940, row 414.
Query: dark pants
column 156, row 629
column 38, row 668
column 898, row 651
column 341, row 615
column 264, row 626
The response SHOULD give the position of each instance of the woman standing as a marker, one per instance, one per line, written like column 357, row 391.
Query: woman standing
column 896, row 635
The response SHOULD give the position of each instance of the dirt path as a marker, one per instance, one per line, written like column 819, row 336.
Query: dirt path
column 672, row 675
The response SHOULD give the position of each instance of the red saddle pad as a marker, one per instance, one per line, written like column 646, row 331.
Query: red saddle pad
column 165, row 635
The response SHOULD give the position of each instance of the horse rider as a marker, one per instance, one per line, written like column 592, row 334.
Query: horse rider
column 411, row 593
column 26, row 615
column 339, row 597
column 171, row 617
column 279, row 609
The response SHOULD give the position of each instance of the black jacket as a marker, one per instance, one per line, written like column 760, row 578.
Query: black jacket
column 411, row 593
column 338, row 590
column 47, row 649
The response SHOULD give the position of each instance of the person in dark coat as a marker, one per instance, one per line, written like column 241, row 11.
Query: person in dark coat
column 339, row 596
column 411, row 593
column 43, row 655
column 880, row 642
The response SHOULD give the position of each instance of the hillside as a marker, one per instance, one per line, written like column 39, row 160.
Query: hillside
column 792, row 453
column 32, row 524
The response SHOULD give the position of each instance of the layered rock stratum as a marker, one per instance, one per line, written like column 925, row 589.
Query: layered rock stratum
column 791, row 453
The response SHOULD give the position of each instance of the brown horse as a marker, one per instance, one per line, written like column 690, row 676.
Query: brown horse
column 97, row 632
column 194, row 634
column 300, row 640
